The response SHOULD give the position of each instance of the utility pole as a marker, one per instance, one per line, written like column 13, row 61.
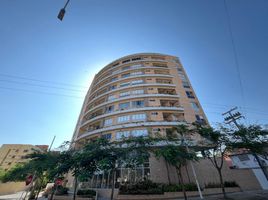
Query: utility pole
column 233, row 118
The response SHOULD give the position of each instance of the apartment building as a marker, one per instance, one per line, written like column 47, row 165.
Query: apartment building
column 138, row 95
column 13, row 154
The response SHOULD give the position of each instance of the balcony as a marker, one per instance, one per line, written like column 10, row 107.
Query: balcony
column 171, row 117
column 166, row 81
column 169, row 103
column 166, row 91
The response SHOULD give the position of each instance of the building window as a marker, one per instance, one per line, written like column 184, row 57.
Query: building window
column 154, row 113
column 125, row 75
column 112, row 87
column 136, row 66
column 139, row 117
column 138, row 92
column 125, row 61
column 133, row 59
column 110, row 109
column 123, row 94
column 200, row 119
column 123, row 119
column 137, row 104
column 107, row 136
column 122, row 134
column 111, row 97
column 150, row 88
column 190, row 94
column 114, row 79
column 136, row 73
column 140, row 132
column 126, row 67
column 135, row 82
column 108, row 122
column 125, row 84
column 185, row 84
column 124, row 106
column 195, row 106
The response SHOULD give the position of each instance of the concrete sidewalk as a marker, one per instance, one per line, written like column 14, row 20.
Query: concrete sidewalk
column 246, row 195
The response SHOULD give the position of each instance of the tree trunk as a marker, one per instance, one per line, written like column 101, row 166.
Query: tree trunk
column 222, row 183
column 261, row 165
column 113, row 182
column 178, row 169
column 187, row 172
column 168, row 175
column 75, row 187
column 53, row 192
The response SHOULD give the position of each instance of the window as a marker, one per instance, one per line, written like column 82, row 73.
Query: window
column 139, row 117
column 195, row 106
column 138, row 92
column 111, row 97
column 136, row 66
column 154, row 113
column 243, row 157
column 108, row 122
column 115, row 64
column 125, row 61
column 190, row 94
column 123, row 106
column 135, row 82
column 124, row 84
column 122, row 134
column 123, row 94
column 114, row 79
column 140, row 132
column 107, row 136
column 126, row 67
column 150, row 88
column 199, row 119
column 133, row 59
column 136, row 73
column 125, row 75
column 109, row 109
column 123, row 119
column 185, row 84
column 137, row 104
column 112, row 87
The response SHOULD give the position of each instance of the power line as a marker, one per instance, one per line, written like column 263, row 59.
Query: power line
column 44, row 81
column 39, row 92
column 43, row 86
column 234, row 51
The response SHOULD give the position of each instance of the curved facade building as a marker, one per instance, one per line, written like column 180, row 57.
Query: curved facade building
column 138, row 95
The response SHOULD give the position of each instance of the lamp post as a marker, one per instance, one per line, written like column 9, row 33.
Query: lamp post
column 62, row 11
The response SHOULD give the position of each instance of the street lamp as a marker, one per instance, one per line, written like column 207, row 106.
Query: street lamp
column 62, row 11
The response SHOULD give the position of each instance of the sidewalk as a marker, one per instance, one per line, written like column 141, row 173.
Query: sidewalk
column 247, row 195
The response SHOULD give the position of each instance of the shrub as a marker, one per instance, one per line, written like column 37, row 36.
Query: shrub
column 61, row 190
column 143, row 187
column 230, row 184
column 87, row 193
column 178, row 187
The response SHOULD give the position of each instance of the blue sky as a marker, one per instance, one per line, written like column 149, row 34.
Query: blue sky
column 62, row 57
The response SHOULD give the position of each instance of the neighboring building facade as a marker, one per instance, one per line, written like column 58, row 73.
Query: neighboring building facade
column 138, row 95
column 13, row 154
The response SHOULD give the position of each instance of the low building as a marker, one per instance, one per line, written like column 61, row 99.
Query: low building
column 13, row 154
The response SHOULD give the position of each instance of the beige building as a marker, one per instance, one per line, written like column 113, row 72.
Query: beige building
column 13, row 154
column 140, row 94
column 137, row 95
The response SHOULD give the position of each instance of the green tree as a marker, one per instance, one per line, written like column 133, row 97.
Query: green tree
column 173, row 149
column 220, row 143
column 253, row 138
